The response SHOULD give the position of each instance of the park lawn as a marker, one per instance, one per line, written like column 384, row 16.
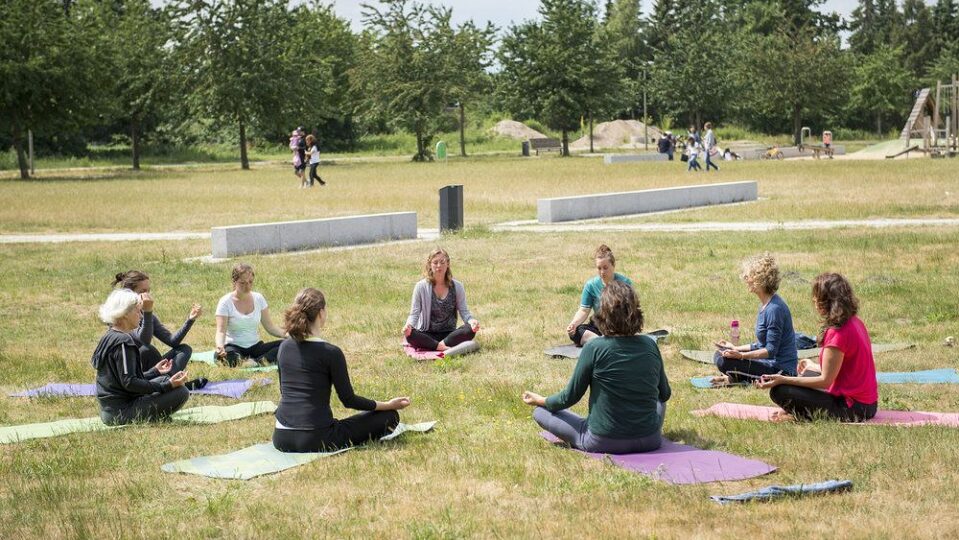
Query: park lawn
column 497, row 189
column 484, row 471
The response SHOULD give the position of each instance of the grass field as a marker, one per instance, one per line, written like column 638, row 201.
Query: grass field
column 484, row 472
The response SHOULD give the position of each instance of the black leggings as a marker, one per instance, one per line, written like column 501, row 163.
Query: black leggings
column 577, row 335
column 430, row 340
column 267, row 351
column 741, row 365
column 150, row 408
column 809, row 403
column 150, row 356
column 314, row 176
column 357, row 429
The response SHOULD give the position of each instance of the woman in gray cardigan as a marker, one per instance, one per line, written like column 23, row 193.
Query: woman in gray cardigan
column 436, row 300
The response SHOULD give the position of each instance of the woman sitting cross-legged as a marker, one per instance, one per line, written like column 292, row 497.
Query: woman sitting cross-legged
column 309, row 369
column 436, row 300
column 239, row 315
column 627, row 385
column 843, row 386
column 774, row 350
column 125, row 392
column 582, row 328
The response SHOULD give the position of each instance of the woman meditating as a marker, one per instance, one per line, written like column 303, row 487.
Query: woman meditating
column 151, row 327
column 774, row 350
column 125, row 392
column 437, row 299
column 579, row 330
column 239, row 315
column 309, row 368
column 843, row 385
column 627, row 385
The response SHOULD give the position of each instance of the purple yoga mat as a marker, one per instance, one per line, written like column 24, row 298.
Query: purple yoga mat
column 680, row 464
column 231, row 389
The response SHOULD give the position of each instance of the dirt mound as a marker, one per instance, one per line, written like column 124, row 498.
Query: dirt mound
column 516, row 130
column 618, row 134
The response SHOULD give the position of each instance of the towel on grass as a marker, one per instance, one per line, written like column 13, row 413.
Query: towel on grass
column 706, row 357
column 681, row 464
column 261, row 459
column 891, row 418
column 569, row 350
column 231, row 388
column 203, row 415
column 929, row 376
column 778, row 492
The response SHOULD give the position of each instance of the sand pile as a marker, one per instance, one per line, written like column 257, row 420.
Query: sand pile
column 618, row 134
column 516, row 130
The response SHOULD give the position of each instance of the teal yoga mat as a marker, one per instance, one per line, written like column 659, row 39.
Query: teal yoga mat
column 261, row 459
column 209, row 357
column 706, row 357
column 200, row 415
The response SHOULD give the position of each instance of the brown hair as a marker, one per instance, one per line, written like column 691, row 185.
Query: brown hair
column 619, row 311
column 428, row 271
column 129, row 279
column 240, row 269
column 310, row 139
column 835, row 301
column 305, row 309
column 603, row 252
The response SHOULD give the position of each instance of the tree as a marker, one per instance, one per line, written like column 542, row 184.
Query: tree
column 918, row 49
column 466, row 65
column 236, row 62
column 875, row 23
column 664, row 21
column 880, row 85
column 48, row 66
column 623, row 30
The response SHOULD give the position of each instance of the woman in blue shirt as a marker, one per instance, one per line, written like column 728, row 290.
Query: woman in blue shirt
column 774, row 350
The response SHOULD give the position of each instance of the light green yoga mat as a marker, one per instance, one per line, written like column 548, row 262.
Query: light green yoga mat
column 209, row 357
column 202, row 415
column 261, row 459
column 706, row 357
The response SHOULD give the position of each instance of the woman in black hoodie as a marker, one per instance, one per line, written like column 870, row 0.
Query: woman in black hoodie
column 126, row 393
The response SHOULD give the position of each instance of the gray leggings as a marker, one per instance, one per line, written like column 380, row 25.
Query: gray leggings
column 150, row 408
column 571, row 428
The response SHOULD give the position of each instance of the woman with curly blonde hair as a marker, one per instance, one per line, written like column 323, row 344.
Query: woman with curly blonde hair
column 437, row 298
column 774, row 350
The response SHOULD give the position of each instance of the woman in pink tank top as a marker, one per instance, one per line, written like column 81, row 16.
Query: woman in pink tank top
column 843, row 385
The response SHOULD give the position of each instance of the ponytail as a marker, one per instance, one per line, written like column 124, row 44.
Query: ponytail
column 303, row 313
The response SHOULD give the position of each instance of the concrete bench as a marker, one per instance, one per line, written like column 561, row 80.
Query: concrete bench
column 611, row 159
column 312, row 233
column 545, row 145
column 639, row 202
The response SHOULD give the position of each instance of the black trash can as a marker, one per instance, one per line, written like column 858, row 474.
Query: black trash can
column 525, row 148
column 451, row 208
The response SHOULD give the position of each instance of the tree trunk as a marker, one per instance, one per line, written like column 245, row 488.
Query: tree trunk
column 21, row 157
column 419, row 146
column 462, row 130
column 565, row 152
column 879, row 124
column 797, row 124
column 244, row 159
column 135, row 139
column 590, row 133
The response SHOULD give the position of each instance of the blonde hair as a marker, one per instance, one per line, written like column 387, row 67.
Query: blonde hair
column 118, row 304
column 603, row 252
column 428, row 270
column 762, row 271
column 305, row 309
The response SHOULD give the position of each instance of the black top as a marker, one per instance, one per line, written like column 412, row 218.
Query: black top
column 150, row 327
column 308, row 370
column 120, row 379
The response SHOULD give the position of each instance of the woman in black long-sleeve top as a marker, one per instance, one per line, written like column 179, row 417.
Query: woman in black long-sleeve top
column 309, row 369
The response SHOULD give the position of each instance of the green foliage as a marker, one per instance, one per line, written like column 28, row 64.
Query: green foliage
column 881, row 84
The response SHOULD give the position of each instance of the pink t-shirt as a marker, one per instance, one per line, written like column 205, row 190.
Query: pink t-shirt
column 857, row 374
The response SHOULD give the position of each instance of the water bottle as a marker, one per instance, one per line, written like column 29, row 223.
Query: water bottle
column 734, row 333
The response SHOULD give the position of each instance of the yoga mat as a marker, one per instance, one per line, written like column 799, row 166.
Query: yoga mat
column 680, row 464
column 569, row 350
column 203, row 415
column 420, row 354
column 463, row 348
column 706, row 357
column 261, row 459
column 890, row 418
column 929, row 376
column 206, row 357
column 230, row 388
column 778, row 492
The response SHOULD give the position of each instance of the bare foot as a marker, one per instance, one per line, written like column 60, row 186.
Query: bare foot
column 441, row 347
column 721, row 380
column 781, row 416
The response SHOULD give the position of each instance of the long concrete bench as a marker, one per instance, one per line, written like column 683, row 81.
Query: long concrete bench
column 611, row 159
column 312, row 233
column 639, row 202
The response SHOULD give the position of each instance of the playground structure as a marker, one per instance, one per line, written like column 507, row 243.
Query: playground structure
column 935, row 120
column 825, row 148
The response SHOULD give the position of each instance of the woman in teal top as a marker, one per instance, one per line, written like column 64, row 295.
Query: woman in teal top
column 627, row 385
column 580, row 331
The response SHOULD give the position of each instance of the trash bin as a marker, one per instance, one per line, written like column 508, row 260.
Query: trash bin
column 441, row 150
column 525, row 148
column 451, row 208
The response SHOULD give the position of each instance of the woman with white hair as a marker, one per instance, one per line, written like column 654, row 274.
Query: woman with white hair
column 125, row 392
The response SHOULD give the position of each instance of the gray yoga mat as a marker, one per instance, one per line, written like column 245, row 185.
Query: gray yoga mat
column 572, row 351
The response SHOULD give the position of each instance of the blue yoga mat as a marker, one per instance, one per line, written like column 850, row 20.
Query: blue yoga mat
column 929, row 376
column 778, row 492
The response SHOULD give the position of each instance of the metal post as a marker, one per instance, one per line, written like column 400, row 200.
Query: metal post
column 645, row 118
column 30, row 150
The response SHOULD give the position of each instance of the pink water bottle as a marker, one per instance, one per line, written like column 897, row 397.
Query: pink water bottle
column 734, row 332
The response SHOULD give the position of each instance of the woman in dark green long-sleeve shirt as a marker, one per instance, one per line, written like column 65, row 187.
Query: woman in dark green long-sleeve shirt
column 627, row 385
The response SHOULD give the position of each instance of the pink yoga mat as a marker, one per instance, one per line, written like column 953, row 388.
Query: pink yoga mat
column 891, row 418
column 420, row 354
column 680, row 464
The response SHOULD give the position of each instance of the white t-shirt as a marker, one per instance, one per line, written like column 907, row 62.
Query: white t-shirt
column 241, row 330
column 314, row 154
